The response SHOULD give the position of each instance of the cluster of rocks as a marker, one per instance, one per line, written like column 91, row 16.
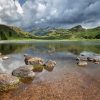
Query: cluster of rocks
column 33, row 64
column 84, row 58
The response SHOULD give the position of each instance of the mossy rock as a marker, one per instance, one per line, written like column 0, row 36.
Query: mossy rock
column 38, row 68
column 8, row 82
column 50, row 69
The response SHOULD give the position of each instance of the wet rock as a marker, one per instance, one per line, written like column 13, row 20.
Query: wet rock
column 33, row 60
column 24, row 72
column 38, row 68
column 86, row 56
column 5, row 58
column 49, row 65
column 7, row 81
column 96, row 59
column 97, row 62
column 27, row 57
column 82, row 63
column 81, row 58
column 90, row 58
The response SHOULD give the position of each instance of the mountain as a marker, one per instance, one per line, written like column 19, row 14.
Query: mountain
column 77, row 28
column 10, row 32
column 76, row 32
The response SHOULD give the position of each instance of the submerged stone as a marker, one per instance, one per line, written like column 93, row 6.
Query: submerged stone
column 24, row 72
column 49, row 65
column 7, row 81
column 5, row 58
column 82, row 63
column 27, row 80
column 38, row 68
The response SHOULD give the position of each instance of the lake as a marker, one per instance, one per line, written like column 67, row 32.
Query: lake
column 64, row 53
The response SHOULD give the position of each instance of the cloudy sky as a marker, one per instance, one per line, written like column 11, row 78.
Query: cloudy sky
column 43, row 13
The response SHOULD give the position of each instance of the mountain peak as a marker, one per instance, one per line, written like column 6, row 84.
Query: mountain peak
column 77, row 28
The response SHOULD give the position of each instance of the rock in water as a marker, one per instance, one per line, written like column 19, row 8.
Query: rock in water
column 96, row 59
column 49, row 65
column 5, row 58
column 81, row 58
column 26, row 59
column 34, row 61
column 82, row 63
column 7, row 81
column 24, row 72
column 38, row 68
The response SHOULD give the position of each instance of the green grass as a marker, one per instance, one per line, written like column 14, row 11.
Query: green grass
column 74, row 34
column 9, row 32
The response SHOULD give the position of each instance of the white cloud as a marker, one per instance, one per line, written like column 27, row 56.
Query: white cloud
column 10, row 11
column 40, row 13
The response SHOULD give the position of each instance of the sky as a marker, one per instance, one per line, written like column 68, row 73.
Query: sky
column 29, row 14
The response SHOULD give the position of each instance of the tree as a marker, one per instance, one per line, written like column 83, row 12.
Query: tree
column 3, row 36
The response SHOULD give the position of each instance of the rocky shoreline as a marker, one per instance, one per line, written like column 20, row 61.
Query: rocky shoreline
column 68, row 86
column 36, row 64
column 33, row 64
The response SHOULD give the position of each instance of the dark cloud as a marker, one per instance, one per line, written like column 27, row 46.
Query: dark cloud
column 43, row 13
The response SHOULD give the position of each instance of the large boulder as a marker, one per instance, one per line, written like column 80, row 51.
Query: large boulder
column 33, row 60
column 24, row 72
column 36, row 61
column 49, row 65
column 7, row 81
column 86, row 56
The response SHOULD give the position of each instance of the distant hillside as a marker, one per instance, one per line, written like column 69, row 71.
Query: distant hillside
column 10, row 32
column 76, row 32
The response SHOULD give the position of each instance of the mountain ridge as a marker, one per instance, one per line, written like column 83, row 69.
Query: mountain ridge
column 76, row 32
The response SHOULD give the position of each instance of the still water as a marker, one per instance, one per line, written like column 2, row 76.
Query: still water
column 64, row 53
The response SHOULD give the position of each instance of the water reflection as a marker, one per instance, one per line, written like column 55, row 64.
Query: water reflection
column 63, row 52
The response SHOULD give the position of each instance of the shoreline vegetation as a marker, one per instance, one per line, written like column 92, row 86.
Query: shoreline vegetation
column 41, row 40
